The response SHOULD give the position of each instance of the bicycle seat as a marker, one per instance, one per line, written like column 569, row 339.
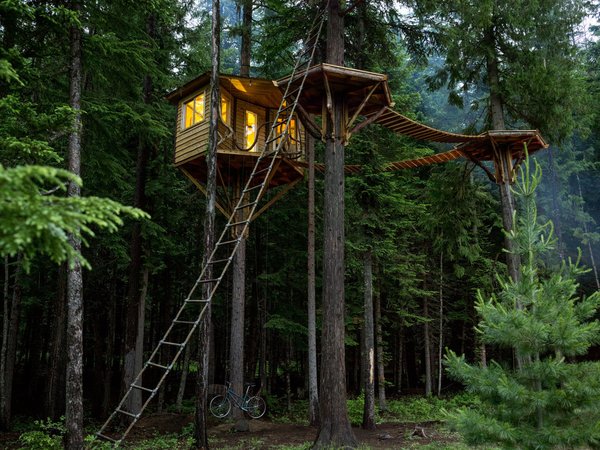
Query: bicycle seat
column 249, row 384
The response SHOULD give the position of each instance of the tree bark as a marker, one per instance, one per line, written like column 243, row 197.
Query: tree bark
column 441, row 326
column 380, row 353
column 313, row 392
column 334, row 429
column 246, row 45
column 204, row 344
column 427, row 339
column 10, row 334
column 585, row 230
column 55, row 377
column 368, row 422
column 513, row 261
column 74, row 381
column 236, row 348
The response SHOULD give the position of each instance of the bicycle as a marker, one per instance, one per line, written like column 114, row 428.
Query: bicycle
column 254, row 406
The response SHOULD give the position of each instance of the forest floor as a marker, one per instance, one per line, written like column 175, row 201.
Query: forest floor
column 409, row 423
column 266, row 434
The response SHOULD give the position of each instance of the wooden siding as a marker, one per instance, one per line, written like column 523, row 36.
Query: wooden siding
column 192, row 141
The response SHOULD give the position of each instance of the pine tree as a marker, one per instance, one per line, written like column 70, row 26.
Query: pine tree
column 548, row 400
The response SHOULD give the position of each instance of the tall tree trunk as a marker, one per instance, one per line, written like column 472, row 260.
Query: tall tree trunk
column 10, row 334
column 379, row 352
column 313, row 392
column 513, row 261
column 134, row 331
column 556, row 219
column 236, row 348
column 185, row 365
column 204, row 341
column 246, row 46
column 57, row 349
column 441, row 326
column 427, row 343
column 585, row 230
column 368, row 422
column 74, row 380
column 334, row 429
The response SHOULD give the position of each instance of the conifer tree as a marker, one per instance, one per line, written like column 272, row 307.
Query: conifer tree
column 549, row 401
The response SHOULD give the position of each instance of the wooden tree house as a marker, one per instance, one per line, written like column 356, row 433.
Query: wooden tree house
column 248, row 107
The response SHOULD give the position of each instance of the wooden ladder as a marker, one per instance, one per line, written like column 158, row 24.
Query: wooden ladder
column 191, row 312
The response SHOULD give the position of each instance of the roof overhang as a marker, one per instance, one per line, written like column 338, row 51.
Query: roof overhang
column 257, row 91
column 356, row 86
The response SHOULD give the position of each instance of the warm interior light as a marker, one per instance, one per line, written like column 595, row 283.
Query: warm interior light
column 238, row 85
column 193, row 111
column 224, row 110
column 251, row 122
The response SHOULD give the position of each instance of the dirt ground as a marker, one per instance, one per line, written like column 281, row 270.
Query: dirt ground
column 265, row 434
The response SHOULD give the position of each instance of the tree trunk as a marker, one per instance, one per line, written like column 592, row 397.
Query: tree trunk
column 585, row 230
column 202, row 383
column 441, row 326
column 427, row 339
column 55, row 376
column 183, row 379
column 246, row 45
column 236, row 348
column 313, row 392
column 334, row 429
column 556, row 219
column 513, row 261
column 368, row 422
column 380, row 353
column 10, row 334
column 134, row 331
column 74, row 381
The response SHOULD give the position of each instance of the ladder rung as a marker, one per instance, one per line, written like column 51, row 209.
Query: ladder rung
column 185, row 322
column 227, row 242
column 252, row 188
column 218, row 261
column 127, row 413
column 196, row 300
column 103, row 436
column 247, row 205
column 160, row 366
column 176, row 344
column 266, row 169
column 209, row 280
column 235, row 224
column 142, row 388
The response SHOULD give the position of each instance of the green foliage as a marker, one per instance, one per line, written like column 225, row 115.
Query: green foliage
column 47, row 435
column 546, row 400
column 34, row 220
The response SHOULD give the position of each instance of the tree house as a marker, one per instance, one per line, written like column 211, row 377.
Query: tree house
column 248, row 107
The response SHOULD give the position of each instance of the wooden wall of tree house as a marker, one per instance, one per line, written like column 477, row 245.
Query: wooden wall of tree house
column 191, row 142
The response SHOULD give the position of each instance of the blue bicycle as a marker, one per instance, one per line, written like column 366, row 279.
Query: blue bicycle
column 254, row 406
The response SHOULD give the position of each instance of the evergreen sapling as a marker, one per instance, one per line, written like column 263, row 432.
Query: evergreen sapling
column 546, row 399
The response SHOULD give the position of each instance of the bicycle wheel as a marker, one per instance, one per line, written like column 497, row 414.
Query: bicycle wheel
column 219, row 406
column 256, row 407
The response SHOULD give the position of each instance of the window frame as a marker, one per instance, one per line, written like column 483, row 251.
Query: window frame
column 184, row 110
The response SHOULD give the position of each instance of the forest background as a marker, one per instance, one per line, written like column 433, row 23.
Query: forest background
column 437, row 230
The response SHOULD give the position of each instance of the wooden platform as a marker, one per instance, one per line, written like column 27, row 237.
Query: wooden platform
column 233, row 166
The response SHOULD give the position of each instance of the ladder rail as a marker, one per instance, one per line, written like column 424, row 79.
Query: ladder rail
column 233, row 224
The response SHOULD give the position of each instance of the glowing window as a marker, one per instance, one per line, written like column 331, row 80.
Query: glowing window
column 251, row 122
column 292, row 133
column 193, row 111
column 224, row 110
